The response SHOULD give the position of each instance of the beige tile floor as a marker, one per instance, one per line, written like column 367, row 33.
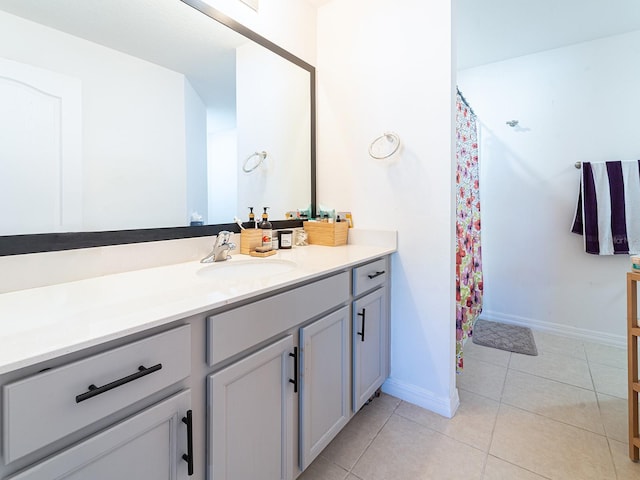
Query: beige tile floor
column 560, row 415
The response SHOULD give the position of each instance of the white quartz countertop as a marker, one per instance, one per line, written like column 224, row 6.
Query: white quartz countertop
column 39, row 324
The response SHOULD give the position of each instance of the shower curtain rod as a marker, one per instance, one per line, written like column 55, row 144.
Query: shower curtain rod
column 464, row 100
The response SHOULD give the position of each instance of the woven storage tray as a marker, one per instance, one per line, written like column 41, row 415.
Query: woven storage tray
column 330, row 234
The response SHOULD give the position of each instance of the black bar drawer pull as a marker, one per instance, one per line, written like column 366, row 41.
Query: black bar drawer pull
column 93, row 390
column 364, row 318
column 294, row 380
column 377, row 274
column 188, row 457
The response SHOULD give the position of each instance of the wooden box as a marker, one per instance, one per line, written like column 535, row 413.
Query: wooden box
column 331, row 234
column 250, row 238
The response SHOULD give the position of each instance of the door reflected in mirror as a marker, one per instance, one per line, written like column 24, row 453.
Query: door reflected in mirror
column 134, row 115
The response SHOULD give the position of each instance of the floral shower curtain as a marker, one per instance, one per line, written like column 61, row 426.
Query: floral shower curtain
column 468, row 251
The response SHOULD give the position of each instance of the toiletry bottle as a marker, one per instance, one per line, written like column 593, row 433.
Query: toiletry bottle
column 252, row 217
column 267, row 232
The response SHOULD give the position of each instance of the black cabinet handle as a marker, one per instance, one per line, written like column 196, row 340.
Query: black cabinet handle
column 377, row 274
column 294, row 380
column 93, row 390
column 188, row 457
column 364, row 319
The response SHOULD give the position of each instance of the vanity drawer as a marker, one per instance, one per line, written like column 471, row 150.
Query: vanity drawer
column 42, row 408
column 232, row 332
column 370, row 276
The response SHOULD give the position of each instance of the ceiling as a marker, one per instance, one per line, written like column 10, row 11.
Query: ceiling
column 487, row 30
column 494, row 30
column 160, row 31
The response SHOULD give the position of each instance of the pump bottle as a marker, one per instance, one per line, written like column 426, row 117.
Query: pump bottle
column 267, row 232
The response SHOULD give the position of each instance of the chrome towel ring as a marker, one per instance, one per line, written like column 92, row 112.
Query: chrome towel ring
column 261, row 156
column 379, row 149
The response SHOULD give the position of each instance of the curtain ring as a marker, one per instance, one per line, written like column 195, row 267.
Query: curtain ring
column 392, row 138
column 261, row 155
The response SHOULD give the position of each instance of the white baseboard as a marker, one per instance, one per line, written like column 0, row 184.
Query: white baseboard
column 444, row 406
column 555, row 328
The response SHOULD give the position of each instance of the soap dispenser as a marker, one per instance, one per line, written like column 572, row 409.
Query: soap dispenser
column 252, row 218
column 267, row 231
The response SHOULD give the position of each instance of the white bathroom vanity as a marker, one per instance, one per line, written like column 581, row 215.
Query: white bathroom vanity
column 241, row 369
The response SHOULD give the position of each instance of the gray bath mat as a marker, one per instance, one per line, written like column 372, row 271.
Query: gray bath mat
column 512, row 338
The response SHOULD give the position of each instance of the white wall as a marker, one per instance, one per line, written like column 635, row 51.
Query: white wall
column 223, row 177
column 196, row 154
column 291, row 24
column 135, row 150
column 271, row 120
column 574, row 104
column 386, row 65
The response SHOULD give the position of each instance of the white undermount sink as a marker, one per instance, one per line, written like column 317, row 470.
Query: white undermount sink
column 239, row 269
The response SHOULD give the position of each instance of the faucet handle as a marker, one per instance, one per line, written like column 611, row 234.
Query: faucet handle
column 223, row 237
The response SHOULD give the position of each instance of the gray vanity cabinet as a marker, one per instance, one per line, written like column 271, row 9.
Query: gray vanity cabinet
column 142, row 383
column 275, row 381
column 272, row 409
column 147, row 446
column 370, row 330
column 325, row 380
column 252, row 417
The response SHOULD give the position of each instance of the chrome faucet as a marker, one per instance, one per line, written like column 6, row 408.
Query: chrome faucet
column 221, row 248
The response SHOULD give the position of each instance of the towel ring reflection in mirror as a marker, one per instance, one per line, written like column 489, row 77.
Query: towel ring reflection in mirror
column 248, row 167
column 379, row 149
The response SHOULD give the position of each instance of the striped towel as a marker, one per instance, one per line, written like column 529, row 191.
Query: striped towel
column 608, row 211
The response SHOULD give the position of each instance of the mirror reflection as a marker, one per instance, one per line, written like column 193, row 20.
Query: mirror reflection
column 130, row 115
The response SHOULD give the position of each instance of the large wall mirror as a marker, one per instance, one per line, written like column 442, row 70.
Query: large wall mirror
column 126, row 121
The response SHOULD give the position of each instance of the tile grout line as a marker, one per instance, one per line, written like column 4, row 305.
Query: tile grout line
column 350, row 471
column 593, row 389
column 522, row 468
column 431, row 429
column 603, row 435
column 558, row 381
column 495, row 420
column 600, row 413
column 504, row 382
column 502, row 402
column 615, row 467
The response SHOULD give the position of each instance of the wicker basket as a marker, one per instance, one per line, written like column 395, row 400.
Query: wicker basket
column 330, row 234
